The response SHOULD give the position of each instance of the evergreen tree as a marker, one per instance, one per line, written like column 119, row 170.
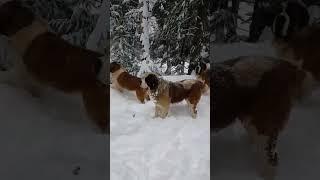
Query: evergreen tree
column 182, row 32
column 71, row 19
column 125, row 33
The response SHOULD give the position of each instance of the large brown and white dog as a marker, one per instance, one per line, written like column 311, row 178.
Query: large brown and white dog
column 121, row 80
column 260, row 92
column 49, row 61
column 165, row 92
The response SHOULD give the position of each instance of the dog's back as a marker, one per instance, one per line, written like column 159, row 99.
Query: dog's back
column 185, row 89
column 52, row 60
column 129, row 81
column 274, row 90
column 177, row 92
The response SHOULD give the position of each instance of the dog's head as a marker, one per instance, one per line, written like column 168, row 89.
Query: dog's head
column 202, row 67
column 13, row 17
column 114, row 67
column 150, row 81
column 292, row 19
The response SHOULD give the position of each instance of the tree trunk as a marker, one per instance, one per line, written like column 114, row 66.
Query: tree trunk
column 147, row 64
column 169, row 66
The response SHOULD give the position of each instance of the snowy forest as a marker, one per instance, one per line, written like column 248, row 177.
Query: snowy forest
column 177, row 34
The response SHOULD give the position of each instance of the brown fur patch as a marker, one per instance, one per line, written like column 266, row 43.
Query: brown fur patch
column 53, row 61
column 123, row 80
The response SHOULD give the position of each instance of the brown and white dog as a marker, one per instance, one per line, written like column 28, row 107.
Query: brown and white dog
column 121, row 80
column 260, row 92
column 49, row 61
column 165, row 92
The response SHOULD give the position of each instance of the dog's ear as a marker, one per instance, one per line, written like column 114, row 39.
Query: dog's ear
column 114, row 66
column 152, row 81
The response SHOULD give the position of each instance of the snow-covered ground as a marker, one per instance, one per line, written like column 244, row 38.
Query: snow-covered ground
column 146, row 148
column 48, row 137
column 299, row 147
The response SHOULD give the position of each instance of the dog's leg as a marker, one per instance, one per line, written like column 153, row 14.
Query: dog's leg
column 164, row 110
column 192, row 109
column 265, row 149
column 140, row 93
column 269, row 156
column 96, row 104
column 157, row 110
column 147, row 97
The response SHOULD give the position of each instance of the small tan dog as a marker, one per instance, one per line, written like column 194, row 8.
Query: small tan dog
column 123, row 80
column 165, row 92
column 47, row 60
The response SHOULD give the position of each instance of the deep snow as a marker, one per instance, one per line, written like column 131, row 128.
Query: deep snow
column 146, row 148
column 48, row 137
column 299, row 147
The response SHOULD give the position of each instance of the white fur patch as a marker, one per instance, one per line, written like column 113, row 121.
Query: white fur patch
column 208, row 65
column 114, row 77
column 248, row 72
column 143, row 84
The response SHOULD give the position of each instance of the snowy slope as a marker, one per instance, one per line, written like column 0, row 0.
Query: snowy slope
column 299, row 147
column 48, row 138
column 143, row 148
